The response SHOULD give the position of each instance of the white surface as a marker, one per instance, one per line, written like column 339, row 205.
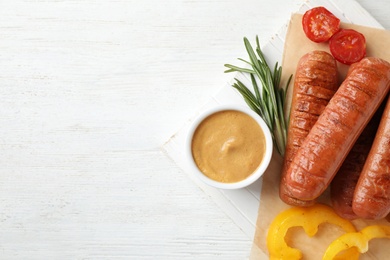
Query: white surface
column 90, row 91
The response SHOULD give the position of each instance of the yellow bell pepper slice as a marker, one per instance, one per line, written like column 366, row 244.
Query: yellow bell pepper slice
column 309, row 218
column 358, row 240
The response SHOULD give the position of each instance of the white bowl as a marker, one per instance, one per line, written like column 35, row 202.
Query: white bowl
column 252, row 177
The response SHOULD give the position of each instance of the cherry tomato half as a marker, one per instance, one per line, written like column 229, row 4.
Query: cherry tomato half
column 319, row 24
column 348, row 46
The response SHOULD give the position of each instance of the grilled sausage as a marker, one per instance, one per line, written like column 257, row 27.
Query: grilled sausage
column 343, row 185
column 336, row 130
column 371, row 199
column 314, row 84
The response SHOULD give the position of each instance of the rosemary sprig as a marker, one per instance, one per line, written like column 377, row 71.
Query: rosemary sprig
column 269, row 100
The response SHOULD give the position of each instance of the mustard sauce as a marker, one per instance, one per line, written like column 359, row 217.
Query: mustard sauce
column 228, row 146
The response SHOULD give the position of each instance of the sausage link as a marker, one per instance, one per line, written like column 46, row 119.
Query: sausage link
column 336, row 130
column 371, row 199
column 314, row 84
column 343, row 185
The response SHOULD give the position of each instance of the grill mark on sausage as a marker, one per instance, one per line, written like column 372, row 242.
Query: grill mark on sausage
column 336, row 130
column 343, row 185
column 315, row 83
column 371, row 198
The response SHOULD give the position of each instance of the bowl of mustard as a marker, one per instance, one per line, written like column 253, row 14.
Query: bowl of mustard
column 229, row 146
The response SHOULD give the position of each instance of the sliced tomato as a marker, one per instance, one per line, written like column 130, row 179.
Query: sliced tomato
column 319, row 24
column 348, row 46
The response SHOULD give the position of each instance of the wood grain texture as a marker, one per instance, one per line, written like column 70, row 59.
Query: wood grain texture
column 90, row 90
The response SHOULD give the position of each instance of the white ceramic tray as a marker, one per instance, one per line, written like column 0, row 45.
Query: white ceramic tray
column 242, row 205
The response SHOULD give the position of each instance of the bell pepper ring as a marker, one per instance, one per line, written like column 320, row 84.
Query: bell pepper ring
column 358, row 240
column 309, row 218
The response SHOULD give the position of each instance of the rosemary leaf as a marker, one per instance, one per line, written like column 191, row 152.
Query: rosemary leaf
column 251, row 53
column 247, row 95
column 255, row 87
column 235, row 68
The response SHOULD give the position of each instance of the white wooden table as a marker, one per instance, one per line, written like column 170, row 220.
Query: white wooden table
column 90, row 91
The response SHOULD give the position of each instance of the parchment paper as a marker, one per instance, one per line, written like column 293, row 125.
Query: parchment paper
column 296, row 45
